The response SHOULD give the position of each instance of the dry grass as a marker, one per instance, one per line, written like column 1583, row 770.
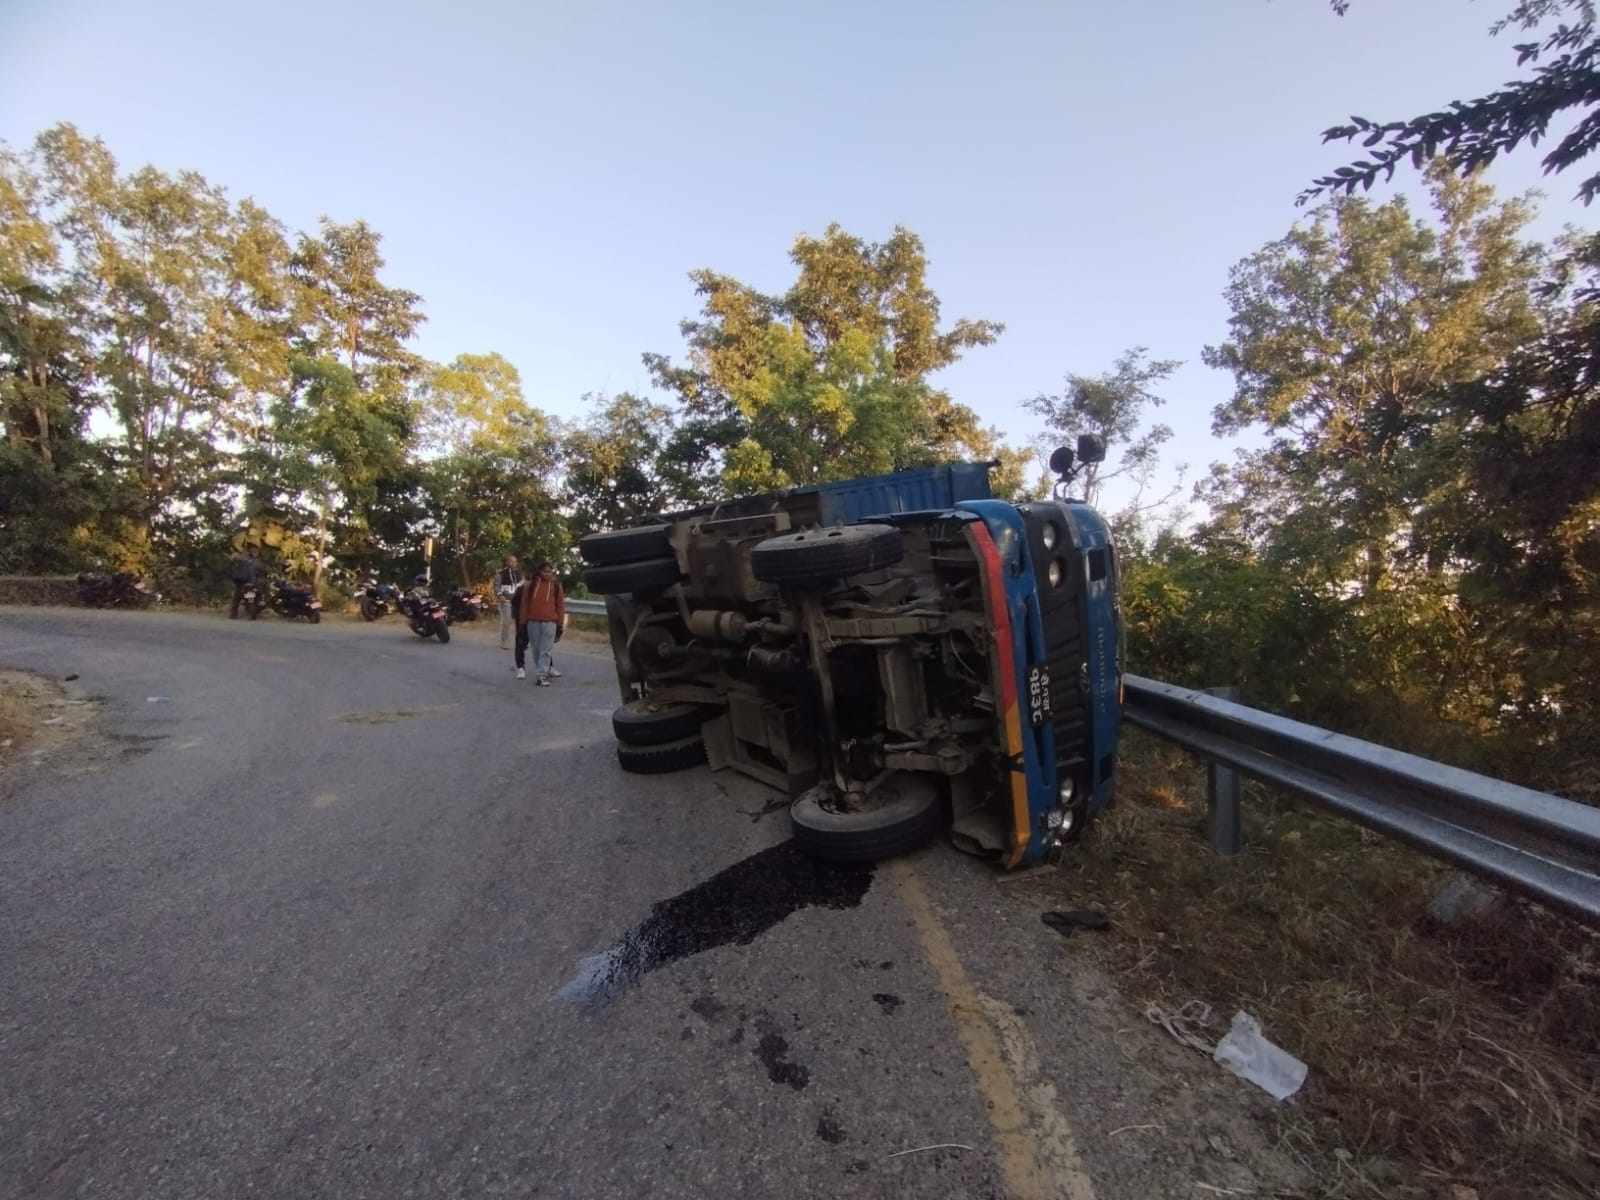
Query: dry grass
column 1438, row 1056
column 33, row 714
column 16, row 721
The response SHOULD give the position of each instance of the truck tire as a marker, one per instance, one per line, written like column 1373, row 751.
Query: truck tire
column 625, row 545
column 650, row 574
column 826, row 553
column 646, row 723
column 658, row 760
column 900, row 826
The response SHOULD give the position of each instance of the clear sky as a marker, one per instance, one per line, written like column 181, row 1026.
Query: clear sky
column 546, row 175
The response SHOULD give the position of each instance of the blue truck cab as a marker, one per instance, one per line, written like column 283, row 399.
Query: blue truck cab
column 903, row 655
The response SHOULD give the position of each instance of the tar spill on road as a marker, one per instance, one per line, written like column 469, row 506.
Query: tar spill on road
column 829, row 1129
column 774, row 1054
column 733, row 907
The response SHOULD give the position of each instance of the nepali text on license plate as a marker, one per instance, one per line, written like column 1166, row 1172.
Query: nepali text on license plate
column 1038, row 695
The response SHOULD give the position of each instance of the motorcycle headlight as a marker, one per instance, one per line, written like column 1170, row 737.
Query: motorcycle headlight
column 1054, row 573
column 1048, row 535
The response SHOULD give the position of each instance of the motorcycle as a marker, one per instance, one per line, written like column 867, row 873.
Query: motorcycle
column 426, row 616
column 251, row 600
column 464, row 605
column 295, row 600
column 119, row 589
column 377, row 599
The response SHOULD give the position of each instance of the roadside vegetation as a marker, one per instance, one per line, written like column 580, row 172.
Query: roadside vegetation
column 1440, row 1055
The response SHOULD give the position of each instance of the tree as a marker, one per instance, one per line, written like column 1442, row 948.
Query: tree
column 823, row 382
column 1472, row 134
column 1345, row 337
column 349, row 419
column 1112, row 406
column 499, row 499
column 475, row 400
column 492, row 489
column 614, row 463
column 1512, row 513
column 54, row 485
column 181, row 297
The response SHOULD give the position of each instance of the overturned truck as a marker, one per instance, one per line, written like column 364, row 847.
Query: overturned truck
column 901, row 654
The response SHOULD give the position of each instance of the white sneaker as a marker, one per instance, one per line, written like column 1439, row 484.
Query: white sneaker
column 521, row 674
column 554, row 674
column 543, row 682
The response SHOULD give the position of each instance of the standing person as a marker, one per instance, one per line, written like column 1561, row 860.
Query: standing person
column 505, row 589
column 541, row 612
column 246, row 570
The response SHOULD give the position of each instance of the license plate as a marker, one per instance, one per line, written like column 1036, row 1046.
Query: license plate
column 1038, row 695
column 316, row 604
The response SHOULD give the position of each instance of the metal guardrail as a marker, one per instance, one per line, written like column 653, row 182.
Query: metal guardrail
column 587, row 608
column 1533, row 843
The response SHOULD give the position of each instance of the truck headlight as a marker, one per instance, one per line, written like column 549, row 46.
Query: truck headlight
column 1054, row 573
column 1048, row 535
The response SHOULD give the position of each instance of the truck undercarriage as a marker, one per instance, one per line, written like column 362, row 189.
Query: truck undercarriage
column 892, row 676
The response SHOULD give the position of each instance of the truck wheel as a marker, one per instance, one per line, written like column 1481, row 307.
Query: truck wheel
column 646, row 723
column 827, row 553
column 899, row 826
column 658, row 760
column 650, row 574
column 625, row 545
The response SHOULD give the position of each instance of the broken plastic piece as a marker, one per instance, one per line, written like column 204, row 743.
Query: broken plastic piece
column 1250, row 1056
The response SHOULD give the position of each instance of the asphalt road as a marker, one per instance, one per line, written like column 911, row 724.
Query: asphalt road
column 330, row 911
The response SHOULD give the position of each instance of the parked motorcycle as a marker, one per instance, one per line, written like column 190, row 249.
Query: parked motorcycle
column 426, row 616
column 377, row 599
column 464, row 605
column 116, row 590
column 252, row 600
column 291, row 600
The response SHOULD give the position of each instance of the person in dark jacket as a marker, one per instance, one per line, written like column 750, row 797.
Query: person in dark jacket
column 246, row 571
column 506, row 582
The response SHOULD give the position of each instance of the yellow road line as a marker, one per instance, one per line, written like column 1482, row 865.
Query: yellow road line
column 1038, row 1156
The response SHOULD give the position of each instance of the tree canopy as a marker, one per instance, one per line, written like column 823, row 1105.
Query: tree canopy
column 180, row 374
column 827, row 380
column 1469, row 134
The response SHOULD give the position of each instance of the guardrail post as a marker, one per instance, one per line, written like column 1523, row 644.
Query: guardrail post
column 1223, row 827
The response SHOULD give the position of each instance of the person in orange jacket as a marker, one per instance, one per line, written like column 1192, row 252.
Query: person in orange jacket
column 541, row 618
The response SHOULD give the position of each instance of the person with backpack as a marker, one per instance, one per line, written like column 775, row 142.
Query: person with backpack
column 541, row 616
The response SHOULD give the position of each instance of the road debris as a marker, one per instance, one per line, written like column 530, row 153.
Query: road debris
column 1249, row 1055
column 1066, row 923
column 1181, row 1024
column 935, row 1146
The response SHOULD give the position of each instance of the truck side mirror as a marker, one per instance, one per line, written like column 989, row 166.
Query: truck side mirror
column 1091, row 448
column 1060, row 460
